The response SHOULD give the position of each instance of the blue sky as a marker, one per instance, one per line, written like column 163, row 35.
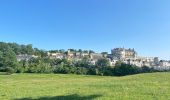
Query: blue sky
column 88, row 24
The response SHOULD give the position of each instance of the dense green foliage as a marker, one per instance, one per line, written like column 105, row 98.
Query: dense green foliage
column 8, row 52
column 8, row 61
column 152, row 86
column 64, row 66
column 43, row 64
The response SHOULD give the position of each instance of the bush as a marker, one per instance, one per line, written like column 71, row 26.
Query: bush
column 125, row 69
column 20, row 69
column 10, row 70
column 81, row 70
column 146, row 69
column 93, row 71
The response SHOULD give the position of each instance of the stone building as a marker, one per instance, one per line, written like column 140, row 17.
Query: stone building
column 129, row 56
column 164, row 63
column 122, row 53
column 94, row 57
column 25, row 57
column 56, row 55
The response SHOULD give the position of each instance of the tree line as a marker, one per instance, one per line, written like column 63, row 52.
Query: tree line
column 43, row 64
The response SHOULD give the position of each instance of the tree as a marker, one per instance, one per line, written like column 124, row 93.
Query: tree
column 104, row 54
column 29, row 49
column 93, row 70
column 91, row 51
column 81, row 70
column 146, row 69
column 15, row 47
column 118, row 63
column 62, row 51
column 83, row 62
column 55, row 62
column 23, row 66
column 85, row 51
column 125, row 69
column 80, row 50
column 7, row 58
column 103, row 62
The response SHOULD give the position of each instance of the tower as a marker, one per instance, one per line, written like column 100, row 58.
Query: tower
column 156, row 61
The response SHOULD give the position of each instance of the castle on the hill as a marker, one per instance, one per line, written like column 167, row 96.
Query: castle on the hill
column 129, row 56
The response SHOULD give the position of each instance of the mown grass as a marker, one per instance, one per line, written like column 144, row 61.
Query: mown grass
column 153, row 86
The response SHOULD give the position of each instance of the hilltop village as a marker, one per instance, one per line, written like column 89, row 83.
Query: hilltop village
column 127, row 56
column 121, row 61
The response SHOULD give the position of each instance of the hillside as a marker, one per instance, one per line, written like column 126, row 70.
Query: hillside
column 77, row 87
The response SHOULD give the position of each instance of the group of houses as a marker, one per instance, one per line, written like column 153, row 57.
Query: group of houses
column 128, row 56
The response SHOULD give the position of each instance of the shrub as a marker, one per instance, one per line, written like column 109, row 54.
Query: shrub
column 125, row 69
column 10, row 70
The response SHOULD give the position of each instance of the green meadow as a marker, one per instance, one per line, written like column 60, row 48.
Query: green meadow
column 151, row 86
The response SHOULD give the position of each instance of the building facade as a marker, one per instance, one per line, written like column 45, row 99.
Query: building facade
column 122, row 53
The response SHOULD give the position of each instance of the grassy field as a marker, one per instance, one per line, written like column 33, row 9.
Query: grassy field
column 155, row 86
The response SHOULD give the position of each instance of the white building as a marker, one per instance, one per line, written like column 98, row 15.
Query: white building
column 164, row 63
column 56, row 55
column 25, row 57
